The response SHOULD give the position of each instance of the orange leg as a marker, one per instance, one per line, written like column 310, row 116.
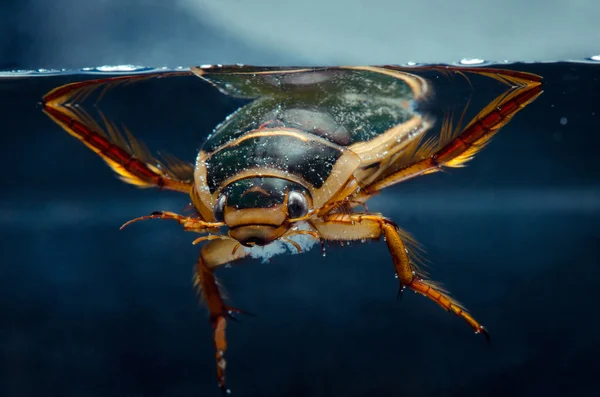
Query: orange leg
column 462, row 146
column 495, row 73
column 340, row 227
column 189, row 224
column 122, row 152
column 214, row 254
column 221, row 250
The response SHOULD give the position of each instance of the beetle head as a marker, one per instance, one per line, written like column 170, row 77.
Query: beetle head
column 260, row 210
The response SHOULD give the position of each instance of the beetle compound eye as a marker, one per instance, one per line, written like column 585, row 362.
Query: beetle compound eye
column 219, row 208
column 297, row 204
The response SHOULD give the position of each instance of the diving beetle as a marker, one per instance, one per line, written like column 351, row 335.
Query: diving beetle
column 299, row 161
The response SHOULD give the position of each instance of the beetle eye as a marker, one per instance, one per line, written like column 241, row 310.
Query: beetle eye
column 297, row 204
column 219, row 208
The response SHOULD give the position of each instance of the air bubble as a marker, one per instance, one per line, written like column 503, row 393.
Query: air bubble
column 118, row 68
column 471, row 61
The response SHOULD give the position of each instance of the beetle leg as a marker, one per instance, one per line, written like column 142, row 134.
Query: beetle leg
column 525, row 88
column 372, row 226
column 220, row 251
column 212, row 255
column 119, row 149
column 189, row 224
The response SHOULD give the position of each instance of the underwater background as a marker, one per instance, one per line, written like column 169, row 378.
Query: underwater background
column 88, row 310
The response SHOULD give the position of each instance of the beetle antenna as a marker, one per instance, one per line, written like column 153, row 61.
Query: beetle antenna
column 304, row 218
column 211, row 237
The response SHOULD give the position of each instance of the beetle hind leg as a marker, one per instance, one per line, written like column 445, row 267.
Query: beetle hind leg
column 340, row 227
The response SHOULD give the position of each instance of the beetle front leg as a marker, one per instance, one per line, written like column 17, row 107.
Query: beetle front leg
column 348, row 227
column 212, row 255
column 189, row 224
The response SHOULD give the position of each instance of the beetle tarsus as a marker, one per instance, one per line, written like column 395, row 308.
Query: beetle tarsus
column 219, row 324
column 429, row 290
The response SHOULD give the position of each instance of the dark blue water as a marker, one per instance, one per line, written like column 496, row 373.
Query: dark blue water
column 88, row 310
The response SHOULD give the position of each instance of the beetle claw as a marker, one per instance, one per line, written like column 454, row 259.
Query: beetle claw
column 400, row 293
column 224, row 390
column 231, row 311
column 485, row 333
